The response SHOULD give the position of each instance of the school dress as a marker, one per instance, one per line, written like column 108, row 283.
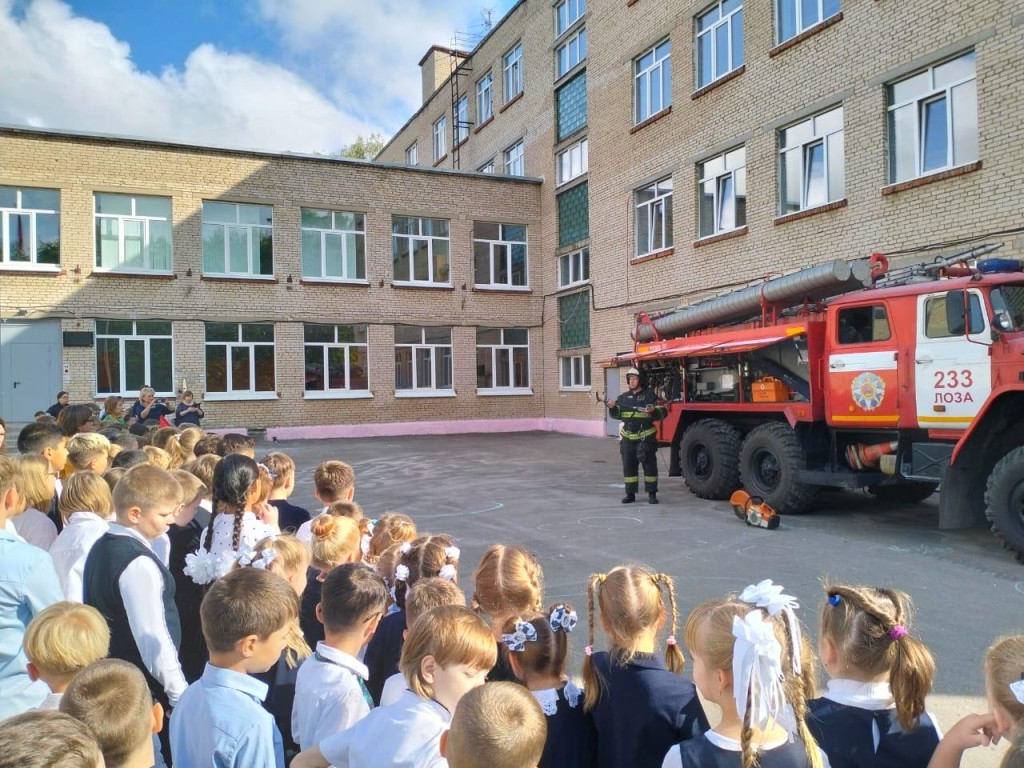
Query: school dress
column 571, row 738
column 713, row 750
column 856, row 725
column 383, row 652
column 188, row 595
column 644, row 710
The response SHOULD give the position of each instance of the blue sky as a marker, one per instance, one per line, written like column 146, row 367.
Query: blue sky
column 298, row 75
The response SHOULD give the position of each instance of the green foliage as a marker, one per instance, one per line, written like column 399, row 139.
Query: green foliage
column 364, row 148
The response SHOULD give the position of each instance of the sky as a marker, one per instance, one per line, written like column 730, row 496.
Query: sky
column 282, row 75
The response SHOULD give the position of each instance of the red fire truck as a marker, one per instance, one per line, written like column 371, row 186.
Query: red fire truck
column 852, row 375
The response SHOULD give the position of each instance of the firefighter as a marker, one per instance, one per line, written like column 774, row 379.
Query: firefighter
column 638, row 409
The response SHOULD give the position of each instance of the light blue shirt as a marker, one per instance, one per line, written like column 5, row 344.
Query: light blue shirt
column 28, row 584
column 219, row 723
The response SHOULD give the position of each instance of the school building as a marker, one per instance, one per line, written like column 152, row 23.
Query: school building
column 586, row 160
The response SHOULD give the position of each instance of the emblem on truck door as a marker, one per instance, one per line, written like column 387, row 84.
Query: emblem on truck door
column 868, row 390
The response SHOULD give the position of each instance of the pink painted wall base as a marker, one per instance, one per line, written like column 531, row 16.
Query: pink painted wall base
column 393, row 429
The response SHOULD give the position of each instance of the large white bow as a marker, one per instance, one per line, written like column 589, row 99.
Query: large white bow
column 770, row 596
column 757, row 669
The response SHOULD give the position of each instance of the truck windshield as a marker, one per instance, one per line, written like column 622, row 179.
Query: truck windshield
column 1008, row 307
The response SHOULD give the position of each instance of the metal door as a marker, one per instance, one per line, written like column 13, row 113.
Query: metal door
column 611, row 391
column 30, row 380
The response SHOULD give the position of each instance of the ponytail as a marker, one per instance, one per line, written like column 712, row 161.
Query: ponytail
column 236, row 530
column 910, row 678
column 674, row 658
column 591, row 679
column 749, row 751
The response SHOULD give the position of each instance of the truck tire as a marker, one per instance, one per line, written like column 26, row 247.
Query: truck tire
column 903, row 493
column 1004, row 501
column 770, row 458
column 709, row 455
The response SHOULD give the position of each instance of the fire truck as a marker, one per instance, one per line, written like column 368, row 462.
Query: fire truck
column 852, row 374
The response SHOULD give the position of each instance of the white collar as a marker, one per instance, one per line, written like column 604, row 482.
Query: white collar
column 206, row 504
column 340, row 658
column 85, row 516
column 732, row 745
column 853, row 693
column 123, row 530
column 409, row 700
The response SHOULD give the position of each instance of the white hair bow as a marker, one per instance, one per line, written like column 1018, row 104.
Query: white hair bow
column 406, row 548
column 757, row 672
column 448, row 572
column 1018, row 689
column 562, row 619
column 452, row 553
column 770, row 596
column 524, row 632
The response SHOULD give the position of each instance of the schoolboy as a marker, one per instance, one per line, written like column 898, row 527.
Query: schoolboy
column 52, row 444
column 282, row 471
column 86, row 508
column 60, row 642
column 89, row 451
column 47, row 739
column 498, row 725
column 208, row 444
column 235, row 442
column 330, row 691
column 130, row 458
column 332, row 481
column 246, row 616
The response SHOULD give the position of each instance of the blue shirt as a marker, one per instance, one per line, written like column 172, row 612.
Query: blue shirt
column 219, row 723
column 28, row 584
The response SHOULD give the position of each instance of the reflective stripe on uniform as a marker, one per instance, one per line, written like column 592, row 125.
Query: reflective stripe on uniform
column 639, row 435
column 624, row 415
column 633, row 479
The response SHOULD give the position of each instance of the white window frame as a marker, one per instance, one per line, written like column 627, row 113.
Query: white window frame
column 416, row 390
column 653, row 79
column 510, row 348
column 923, row 99
column 730, row 172
column 831, row 141
column 661, row 204
column 461, row 119
column 252, row 237
column 440, row 140
column 410, row 245
column 134, row 336
column 487, row 167
column 230, row 346
column 494, row 248
column 512, row 72
column 329, row 392
column 334, row 230
column 572, row 162
column 574, row 373
column 515, row 159
column 567, row 13
column 412, row 154
column 570, row 53
column 485, row 98
column 577, row 265
column 33, row 263
column 802, row 24
column 726, row 20
column 134, row 217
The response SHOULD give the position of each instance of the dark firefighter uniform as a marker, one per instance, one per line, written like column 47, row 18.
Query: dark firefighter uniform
column 638, row 446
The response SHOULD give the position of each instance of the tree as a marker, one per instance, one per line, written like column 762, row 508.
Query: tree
column 364, row 148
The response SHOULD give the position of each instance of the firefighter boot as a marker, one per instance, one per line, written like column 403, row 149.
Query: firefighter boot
column 629, row 498
column 652, row 497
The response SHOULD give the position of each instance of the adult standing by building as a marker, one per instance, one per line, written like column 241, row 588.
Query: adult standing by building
column 188, row 411
column 62, row 402
column 148, row 407
column 638, row 409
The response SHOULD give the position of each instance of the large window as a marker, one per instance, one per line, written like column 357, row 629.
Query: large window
column 573, row 161
column 423, row 359
column 566, row 14
column 133, row 232
column 462, row 120
column 336, row 358
column 502, row 359
column 723, row 192
column 812, row 171
column 652, row 74
column 484, row 98
column 240, row 359
column 571, row 52
column 719, row 41
column 420, row 249
column 499, row 255
column 440, row 143
column 333, row 245
column 571, row 107
column 933, row 119
column 573, row 214
column 654, row 217
column 412, row 154
column 574, row 268
column 574, row 320
column 574, row 372
column 512, row 71
column 30, row 226
column 794, row 16
column 238, row 239
column 515, row 164
column 131, row 354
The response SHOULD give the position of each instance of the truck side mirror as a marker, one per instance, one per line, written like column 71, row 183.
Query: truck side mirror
column 956, row 312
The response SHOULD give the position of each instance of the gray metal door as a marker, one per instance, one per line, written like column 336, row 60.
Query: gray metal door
column 611, row 389
column 30, row 374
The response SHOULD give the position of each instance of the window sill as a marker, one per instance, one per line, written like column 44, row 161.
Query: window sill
column 502, row 289
column 652, row 119
column 440, row 160
column 460, row 145
column 511, row 101
column 331, row 281
column 240, row 278
column 809, row 32
column 576, row 68
column 421, row 286
column 719, row 82
column 39, row 269
column 133, row 273
column 352, row 394
column 921, row 181
column 577, row 389
column 708, row 240
column 568, row 32
column 652, row 256
column 408, row 394
column 510, row 391
column 582, row 177
column 484, row 124
column 572, row 286
column 810, row 212
column 229, row 397
column 133, row 395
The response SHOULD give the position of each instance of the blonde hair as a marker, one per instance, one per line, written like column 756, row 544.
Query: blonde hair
column 427, row 594
column 1004, row 664
column 335, row 540
column 425, row 558
column 86, row 446
column 386, row 564
column 281, row 467
column 192, row 487
column 508, row 581
column 203, row 467
column 187, row 439
column 451, row 634
column 392, row 528
column 112, row 476
column 158, row 457
column 498, row 725
column 44, row 738
column 264, row 482
column 631, row 602
column 65, row 638
column 86, row 492
column 547, row 655
column 145, row 486
column 332, row 480
column 114, row 450
column 169, row 439
column 247, row 601
column 31, row 473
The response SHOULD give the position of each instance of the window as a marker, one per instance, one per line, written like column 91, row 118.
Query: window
column 571, row 106
column 420, row 249
column 654, row 217
column 571, row 52
column 723, row 193
column 719, row 41
column 132, row 354
column 515, row 164
column 575, row 372
column 574, row 320
column 573, row 215
column 933, row 120
column 333, row 245
column 133, row 232
column 863, row 325
column 238, row 239
column 440, row 149
column 462, row 120
column 30, row 224
column 423, row 358
column 487, row 167
column 566, row 14
column 335, row 358
column 653, row 82
column 512, row 67
column 240, row 358
column 812, row 171
column 412, row 154
column 484, row 98
column 573, row 161
column 574, row 268
column 503, row 358
column 797, row 15
column 937, row 321
column 499, row 255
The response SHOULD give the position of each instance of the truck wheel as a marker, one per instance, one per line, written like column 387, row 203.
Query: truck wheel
column 1004, row 501
column 904, row 493
column 710, row 458
column 770, row 458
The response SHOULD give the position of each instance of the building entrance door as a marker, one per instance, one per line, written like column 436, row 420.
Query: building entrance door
column 30, row 374
column 611, row 391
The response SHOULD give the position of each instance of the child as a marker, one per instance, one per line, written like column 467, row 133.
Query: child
column 335, row 541
column 873, row 710
column 448, row 653
column 112, row 699
column 538, row 650
column 47, row 739
column 130, row 458
column 333, row 481
column 209, row 445
column 37, row 486
column 158, row 457
column 236, row 443
column 111, row 476
column 86, row 507
column 640, row 706
column 495, row 726
column 89, row 451
column 48, row 441
column 187, row 440
column 392, row 528
column 60, row 642
column 282, row 470
column 330, row 693
column 247, row 616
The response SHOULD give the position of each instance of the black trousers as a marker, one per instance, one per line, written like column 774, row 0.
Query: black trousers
column 634, row 454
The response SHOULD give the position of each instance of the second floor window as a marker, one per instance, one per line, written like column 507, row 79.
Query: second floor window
column 423, row 358
column 812, row 171
column 573, row 161
column 794, row 16
column 512, row 69
column 133, row 232
column 719, row 41
column 30, row 226
column 499, row 255
column 440, row 144
column 333, row 245
column 723, row 193
column 654, row 218
column 652, row 75
column 484, row 98
column 238, row 239
column 566, row 14
column 570, row 53
column 462, row 120
column 574, row 268
column 514, row 162
column 335, row 358
column 420, row 250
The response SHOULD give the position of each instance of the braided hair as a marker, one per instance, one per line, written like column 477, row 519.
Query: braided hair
column 233, row 479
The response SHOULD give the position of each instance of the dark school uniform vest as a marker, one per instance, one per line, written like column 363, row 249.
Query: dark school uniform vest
column 643, row 712
column 846, row 734
column 310, row 625
column 702, row 753
column 571, row 741
column 108, row 559
column 188, row 595
column 383, row 652
column 289, row 516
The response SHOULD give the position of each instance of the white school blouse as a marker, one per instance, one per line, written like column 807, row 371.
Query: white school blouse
column 253, row 530
column 36, row 528
column 72, row 547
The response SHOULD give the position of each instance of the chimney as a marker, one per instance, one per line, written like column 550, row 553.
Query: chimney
column 436, row 67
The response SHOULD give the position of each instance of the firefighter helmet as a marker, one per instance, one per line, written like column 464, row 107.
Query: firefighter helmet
column 632, row 372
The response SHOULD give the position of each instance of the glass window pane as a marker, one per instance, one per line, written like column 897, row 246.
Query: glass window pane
column 420, row 261
column 354, row 262
column 486, row 230
column 520, row 367
column 249, row 214
column 563, row 270
column 435, row 227
column 443, row 368
column 314, row 368
column 792, row 178
column 726, row 202
column 120, row 327
column 500, row 264
column 643, row 230
column 441, row 261
column 353, row 222
column 161, row 374
column 808, row 13
column 565, row 364
column 965, row 123
column 266, row 246
column 484, row 370
column 336, row 378
column 902, row 141
column 312, row 266
column 316, row 333
column 516, row 335
column 258, row 332
column 817, row 192
column 954, row 70
column 110, row 203
column 20, row 234
column 157, row 207
column 219, row 212
column 705, row 62
column 911, row 88
column 707, row 208
column 519, row 276
column 221, row 332
column 264, row 357
column 830, row 8
column 490, row 336
column 424, row 368
column 705, row 21
column 437, row 335
column 935, row 144
column 40, row 199
column 404, row 225
column 332, row 253
column 403, row 367
column 798, row 134
column 107, row 253
column 240, row 371
column 152, row 328
column 408, row 334
column 133, row 244
column 238, row 249
column 108, row 365
column 836, row 167
column 216, row 368
column 722, row 50
column 400, row 257
column 213, row 248
column 737, row 39
column 358, row 369
column 787, row 19
column 585, row 257
column 8, row 197
column 482, row 263
column 312, row 217
column 740, row 179
column 828, row 122
column 502, row 366
column 160, row 244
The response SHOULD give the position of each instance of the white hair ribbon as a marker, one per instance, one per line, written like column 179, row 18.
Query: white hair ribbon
column 770, row 596
column 1018, row 689
column 406, row 548
column 448, row 572
column 402, row 573
column 452, row 553
column 757, row 670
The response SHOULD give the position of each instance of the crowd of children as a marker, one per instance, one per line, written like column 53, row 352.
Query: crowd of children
column 162, row 602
